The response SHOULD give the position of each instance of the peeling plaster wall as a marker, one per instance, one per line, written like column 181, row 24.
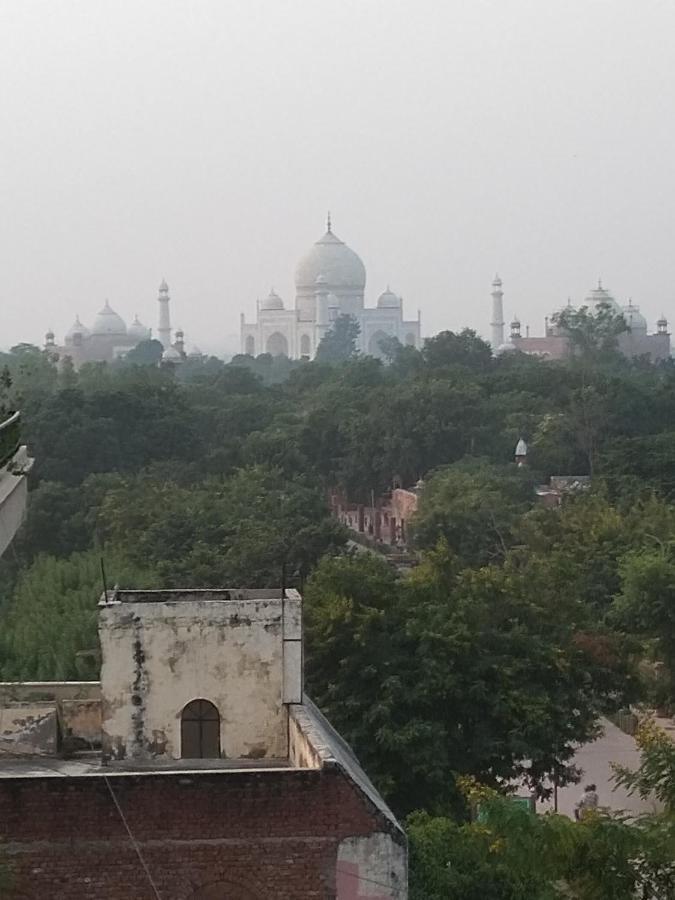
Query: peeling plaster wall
column 81, row 719
column 371, row 868
column 160, row 655
column 28, row 729
column 29, row 691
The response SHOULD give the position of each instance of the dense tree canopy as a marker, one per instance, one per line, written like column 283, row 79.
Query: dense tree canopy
column 491, row 659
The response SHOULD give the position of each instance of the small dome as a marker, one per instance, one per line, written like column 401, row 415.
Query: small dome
column 272, row 301
column 634, row 318
column 164, row 287
column 108, row 322
column 321, row 279
column 497, row 283
column 195, row 352
column 388, row 300
column 77, row 328
column 332, row 258
column 506, row 347
column 333, row 301
column 138, row 331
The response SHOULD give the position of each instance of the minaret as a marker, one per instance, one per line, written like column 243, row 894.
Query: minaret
column 164, row 330
column 497, row 324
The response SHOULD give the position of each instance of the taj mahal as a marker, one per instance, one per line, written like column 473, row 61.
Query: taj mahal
column 330, row 281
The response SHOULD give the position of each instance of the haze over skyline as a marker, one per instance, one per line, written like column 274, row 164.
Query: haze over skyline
column 204, row 143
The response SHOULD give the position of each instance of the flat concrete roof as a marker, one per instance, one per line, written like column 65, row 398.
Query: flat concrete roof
column 188, row 595
column 85, row 766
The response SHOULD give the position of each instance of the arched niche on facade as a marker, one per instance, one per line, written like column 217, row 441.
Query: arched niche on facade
column 277, row 345
column 305, row 345
column 249, row 346
column 200, row 731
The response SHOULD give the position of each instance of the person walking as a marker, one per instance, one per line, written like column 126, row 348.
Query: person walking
column 587, row 802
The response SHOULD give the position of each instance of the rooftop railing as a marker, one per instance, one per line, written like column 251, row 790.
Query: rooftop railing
column 10, row 437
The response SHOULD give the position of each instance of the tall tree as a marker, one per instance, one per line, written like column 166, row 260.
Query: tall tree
column 339, row 343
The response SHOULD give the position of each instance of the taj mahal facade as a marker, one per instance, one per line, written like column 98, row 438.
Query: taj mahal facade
column 330, row 281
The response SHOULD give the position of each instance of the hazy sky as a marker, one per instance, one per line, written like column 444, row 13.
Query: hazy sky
column 203, row 142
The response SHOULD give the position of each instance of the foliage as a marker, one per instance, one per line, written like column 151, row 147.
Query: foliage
column 655, row 776
column 146, row 353
column 339, row 343
column 451, row 670
column 594, row 335
column 473, row 506
column 512, row 854
column 464, row 349
column 252, row 528
column 49, row 621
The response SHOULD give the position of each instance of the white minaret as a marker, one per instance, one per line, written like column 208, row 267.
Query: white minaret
column 497, row 323
column 164, row 330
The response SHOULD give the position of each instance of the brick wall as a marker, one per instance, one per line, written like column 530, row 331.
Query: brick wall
column 259, row 835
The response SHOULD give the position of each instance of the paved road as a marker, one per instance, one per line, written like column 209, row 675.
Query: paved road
column 594, row 759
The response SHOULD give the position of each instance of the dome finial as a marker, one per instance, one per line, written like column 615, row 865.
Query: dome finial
column 328, row 223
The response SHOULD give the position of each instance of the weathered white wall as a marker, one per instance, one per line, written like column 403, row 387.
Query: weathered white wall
column 158, row 656
column 371, row 868
column 28, row 729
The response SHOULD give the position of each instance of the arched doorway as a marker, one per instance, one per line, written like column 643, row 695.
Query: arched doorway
column 200, row 731
column 374, row 344
column 277, row 345
column 305, row 345
column 250, row 345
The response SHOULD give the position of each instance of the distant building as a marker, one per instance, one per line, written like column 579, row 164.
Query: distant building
column 555, row 344
column 330, row 280
column 109, row 337
column 196, row 767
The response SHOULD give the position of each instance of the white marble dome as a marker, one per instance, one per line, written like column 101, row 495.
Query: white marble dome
column 634, row 319
column 138, row 331
column 272, row 301
column 601, row 295
column 341, row 268
column 77, row 328
column 108, row 322
column 388, row 300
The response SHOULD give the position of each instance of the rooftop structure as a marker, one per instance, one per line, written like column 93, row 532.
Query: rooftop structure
column 197, row 764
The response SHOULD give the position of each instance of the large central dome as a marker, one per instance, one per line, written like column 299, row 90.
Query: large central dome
column 107, row 322
column 341, row 268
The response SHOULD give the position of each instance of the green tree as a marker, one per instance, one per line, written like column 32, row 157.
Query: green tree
column 593, row 335
column 473, row 506
column 146, row 353
column 464, row 349
column 339, row 343
column 447, row 671
column 49, row 623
